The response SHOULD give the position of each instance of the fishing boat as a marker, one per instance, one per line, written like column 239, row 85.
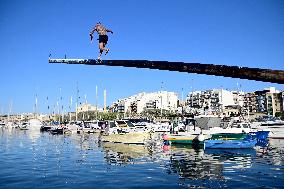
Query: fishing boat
column 184, row 138
column 228, row 136
column 230, row 144
column 260, row 135
column 236, row 130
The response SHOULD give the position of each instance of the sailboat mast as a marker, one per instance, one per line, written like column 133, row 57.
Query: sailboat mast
column 77, row 96
column 96, row 102
column 10, row 110
column 70, row 106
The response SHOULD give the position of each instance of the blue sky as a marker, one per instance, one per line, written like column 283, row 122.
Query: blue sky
column 244, row 33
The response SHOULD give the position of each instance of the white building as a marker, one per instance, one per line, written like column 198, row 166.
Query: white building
column 142, row 101
column 238, row 97
column 86, row 107
column 210, row 101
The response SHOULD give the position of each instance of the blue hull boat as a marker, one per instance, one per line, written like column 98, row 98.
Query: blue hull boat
column 260, row 135
column 229, row 144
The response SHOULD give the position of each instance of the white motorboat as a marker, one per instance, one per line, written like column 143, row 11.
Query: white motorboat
column 274, row 125
column 161, row 127
column 71, row 128
column 143, row 126
column 123, row 131
column 11, row 125
column 2, row 124
column 119, row 127
column 24, row 126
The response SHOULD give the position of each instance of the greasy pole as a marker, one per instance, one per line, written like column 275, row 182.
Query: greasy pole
column 257, row 74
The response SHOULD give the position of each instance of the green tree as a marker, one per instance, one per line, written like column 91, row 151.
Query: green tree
column 107, row 116
column 279, row 114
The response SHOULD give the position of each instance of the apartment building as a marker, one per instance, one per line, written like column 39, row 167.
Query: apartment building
column 138, row 103
column 211, row 101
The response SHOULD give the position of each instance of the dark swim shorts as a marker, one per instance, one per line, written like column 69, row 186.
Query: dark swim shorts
column 103, row 38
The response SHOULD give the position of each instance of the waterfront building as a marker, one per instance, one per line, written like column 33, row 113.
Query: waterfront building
column 274, row 102
column 249, row 102
column 86, row 107
column 282, row 101
column 228, row 103
column 210, row 101
column 238, row 97
column 140, row 102
column 26, row 117
column 231, row 111
column 269, row 101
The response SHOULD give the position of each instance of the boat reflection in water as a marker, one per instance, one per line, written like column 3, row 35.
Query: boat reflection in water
column 192, row 163
column 118, row 153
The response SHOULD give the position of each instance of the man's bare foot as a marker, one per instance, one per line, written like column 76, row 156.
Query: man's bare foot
column 107, row 51
column 99, row 59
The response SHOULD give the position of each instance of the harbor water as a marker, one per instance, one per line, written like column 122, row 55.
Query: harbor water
column 41, row 160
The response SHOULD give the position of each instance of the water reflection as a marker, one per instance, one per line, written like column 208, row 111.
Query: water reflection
column 117, row 153
column 64, row 160
column 192, row 163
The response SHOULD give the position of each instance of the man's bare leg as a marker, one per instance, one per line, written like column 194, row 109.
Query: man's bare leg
column 101, row 47
column 106, row 49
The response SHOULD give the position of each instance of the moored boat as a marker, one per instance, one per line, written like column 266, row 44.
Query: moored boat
column 184, row 138
column 260, row 135
column 121, row 131
column 23, row 126
column 228, row 136
column 57, row 131
column 230, row 144
column 272, row 124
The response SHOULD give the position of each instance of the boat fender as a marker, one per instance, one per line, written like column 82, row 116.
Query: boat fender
column 165, row 137
column 166, row 148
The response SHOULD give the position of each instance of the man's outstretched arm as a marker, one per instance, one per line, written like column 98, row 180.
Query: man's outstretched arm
column 92, row 32
column 108, row 30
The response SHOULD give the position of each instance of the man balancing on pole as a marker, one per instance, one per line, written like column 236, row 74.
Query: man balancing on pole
column 103, row 38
